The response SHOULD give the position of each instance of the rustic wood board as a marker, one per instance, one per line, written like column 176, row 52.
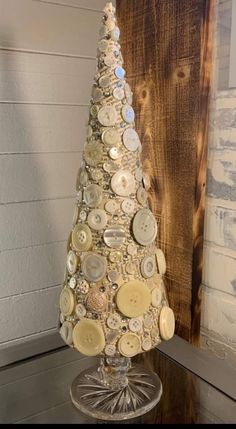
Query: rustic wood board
column 167, row 53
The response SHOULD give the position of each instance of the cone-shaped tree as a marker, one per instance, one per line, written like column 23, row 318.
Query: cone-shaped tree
column 113, row 301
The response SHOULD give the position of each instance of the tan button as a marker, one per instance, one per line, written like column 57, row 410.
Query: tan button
column 109, row 60
column 156, row 297
column 144, row 227
column 146, row 181
column 88, row 337
column 110, row 350
column 82, row 178
column 67, row 301
column 129, row 345
column 132, row 249
column 66, row 332
column 114, row 236
column 115, row 34
column 148, row 266
column 94, row 267
column 110, row 167
column 147, row 344
column 93, row 195
column 104, row 81
column 115, row 153
column 118, row 93
column 167, row 323
column 115, row 257
column 110, row 24
column 97, row 219
column 114, row 321
column 93, row 153
column 128, row 113
column 72, row 282
column 135, row 325
column 123, row 183
column 142, row 196
column 139, row 174
column 81, row 237
column 107, row 116
column 112, row 206
column 161, row 261
column 103, row 45
column 131, row 139
column 80, row 310
column 111, row 137
column 113, row 276
column 94, row 110
column 72, row 262
column 96, row 301
column 133, row 298
column 128, row 206
column 96, row 175
column 97, row 95
column 83, row 287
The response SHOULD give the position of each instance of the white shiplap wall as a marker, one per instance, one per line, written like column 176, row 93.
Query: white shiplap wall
column 47, row 63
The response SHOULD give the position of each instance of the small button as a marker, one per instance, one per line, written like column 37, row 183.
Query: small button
column 72, row 262
column 109, row 60
column 144, row 227
column 118, row 93
column 146, row 181
column 110, row 167
column 81, row 238
column 94, row 267
column 93, row 153
column 161, row 261
column 113, row 276
column 112, row 206
column 123, row 183
column 83, row 215
column 66, row 332
column 130, row 268
column 93, row 195
column 133, row 298
column 167, row 323
column 67, row 301
column 82, row 178
column 156, row 297
column 111, row 137
column 107, row 116
column 114, row 236
column 120, row 72
column 148, row 320
column 88, row 337
column 148, row 266
column 131, row 139
column 94, row 110
column 97, row 95
column 75, row 215
column 114, row 321
column 115, row 153
column 104, row 81
column 132, row 249
column 79, row 196
column 96, row 175
column 146, row 344
column 129, row 345
column 83, row 287
column 96, row 301
column 89, row 132
column 115, row 257
column 128, row 206
column 80, row 310
column 97, row 219
column 155, row 333
column 135, row 325
column 72, row 282
column 103, row 45
column 110, row 350
column 115, row 34
column 139, row 174
column 128, row 113
column 142, row 196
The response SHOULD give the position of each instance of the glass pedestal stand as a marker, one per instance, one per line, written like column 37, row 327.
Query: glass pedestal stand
column 116, row 390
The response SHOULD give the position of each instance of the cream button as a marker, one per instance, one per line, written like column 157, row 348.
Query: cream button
column 135, row 325
column 114, row 321
column 103, row 45
column 161, row 261
column 142, row 196
column 115, row 34
column 115, row 257
column 110, row 167
column 144, row 227
column 128, row 113
column 72, row 262
column 72, row 282
column 111, row 206
column 111, row 137
column 156, row 297
column 110, row 350
column 133, row 298
column 114, row 236
column 118, row 93
column 89, row 132
column 148, row 266
column 146, row 344
column 109, row 60
column 139, row 174
column 115, row 153
column 93, row 153
column 83, row 215
column 104, row 81
column 132, row 249
column 113, row 276
column 83, row 287
column 131, row 139
column 123, row 183
column 82, row 178
column 94, row 110
column 167, row 323
column 146, row 181
column 148, row 320
column 94, row 267
column 80, row 310
column 130, row 267
column 66, row 332
column 96, row 301
column 129, row 345
column 97, row 219
column 97, row 94
column 120, row 72
column 81, row 237
column 107, row 116
column 96, row 175
column 88, row 337
column 67, row 301
column 128, row 206
column 93, row 195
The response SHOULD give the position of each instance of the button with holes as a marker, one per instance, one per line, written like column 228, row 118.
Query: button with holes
column 94, row 267
column 114, row 236
column 128, row 205
column 146, row 344
column 72, row 262
column 114, row 321
column 88, row 337
column 123, row 183
column 81, row 237
column 135, row 325
column 133, row 298
column 148, row 266
column 97, row 219
column 111, row 137
column 107, row 116
column 144, row 227
column 110, row 350
column 80, row 311
column 67, row 301
column 129, row 345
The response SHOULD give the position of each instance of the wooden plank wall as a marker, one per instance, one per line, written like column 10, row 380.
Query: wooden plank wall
column 47, row 62
column 167, row 53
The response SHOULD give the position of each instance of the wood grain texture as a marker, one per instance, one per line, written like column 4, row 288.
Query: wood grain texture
column 167, row 53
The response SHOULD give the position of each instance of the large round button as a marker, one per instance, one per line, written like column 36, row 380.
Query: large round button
column 167, row 323
column 129, row 345
column 156, row 297
column 114, row 321
column 131, row 139
column 142, row 196
column 97, row 219
column 144, row 227
column 133, row 298
column 107, row 116
column 67, row 301
column 94, row 267
column 81, row 237
column 93, row 195
column 96, row 301
column 88, row 337
column 114, row 236
column 66, row 332
column 128, row 113
column 112, row 206
column 148, row 266
column 128, row 206
column 115, row 34
column 93, row 153
column 111, row 137
column 123, row 183
column 72, row 262
column 161, row 261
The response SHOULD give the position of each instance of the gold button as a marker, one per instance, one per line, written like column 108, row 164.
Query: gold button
column 88, row 337
column 129, row 345
column 67, row 301
column 115, row 256
column 133, row 298
column 167, row 323
column 81, row 237
column 96, row 301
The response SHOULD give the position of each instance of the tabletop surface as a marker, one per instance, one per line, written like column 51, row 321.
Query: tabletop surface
column 37, row 391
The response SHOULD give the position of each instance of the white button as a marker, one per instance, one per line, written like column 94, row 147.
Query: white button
column 123, row 183
column 156, row 297
column 119, row 72
column 114, row 236
column 96, row 175
column 144, row 227
column 118, row 93
column 110, row 350
column 66, row 332
column 93, row 195
column 94, row 267
column 104, row 81
column 83, row 286
column 112, row 206
column 128, row 206
column 146, row 344
column 72, row 262
column 82, row 178
column 131, row 139
column 109, row 60
column 97, row 94
column 148, row 266
column 107, row 116
column 96, row 301
column 103, row 45
column 81, row 237
column 148, row 320
column 146, row 181
column 111, row 137
column 132, row 249
column 139, row 174
column 167, row 323
column 115, row 153
column 83, row 215
column 72, row 282
column 161, row 261
column 115, row 34
column 142, row 196
column 129, row 345
column 128, row 113
column 75, row 215
column 97, row 219
column 93, row 153
column 80, row 310
column 114, row 321
column 94, row 110
column 135, row 325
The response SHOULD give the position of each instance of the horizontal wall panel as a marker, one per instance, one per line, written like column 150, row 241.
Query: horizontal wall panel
column 220, row 225
column 37, row 176
column 29, row 224
column 30, row 128
column 41, row 26
column 89, row 4
column 27, row 77
column 221, row 175
column 26, row 314
column 33, row 268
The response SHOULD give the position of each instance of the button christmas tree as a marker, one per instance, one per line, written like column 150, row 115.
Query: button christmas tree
column 113, row 304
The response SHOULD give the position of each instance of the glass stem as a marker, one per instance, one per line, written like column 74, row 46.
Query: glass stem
column 113, row 372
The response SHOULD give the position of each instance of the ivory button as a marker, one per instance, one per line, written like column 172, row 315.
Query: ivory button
column 66, row 332
column 111, row 137
column 128, row 206
column 107, row 116
column 80, row 310
column 156, row 297
column 72, row 262
column 93, row 195
column 131, row 139
column 72, row 282
column 142, row 196
column 146, row 344
column 81, row 237
column 88, row 337
column 114, row 321
column 128, row 113
column 115, row 34
column 133, row 298
column 94, row 267
column 123, row 183
column 148, row 266
column 97, row 219
column 112, row 206
column 110, row 350
column 167, row 323
column 67, row 301
column 93, row 153
column 161, row 261
column 129, row 345
column 135, row 325
column 144, row 227
column 118, row 93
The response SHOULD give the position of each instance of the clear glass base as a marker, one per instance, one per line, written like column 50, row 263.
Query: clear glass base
column 116, row 390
